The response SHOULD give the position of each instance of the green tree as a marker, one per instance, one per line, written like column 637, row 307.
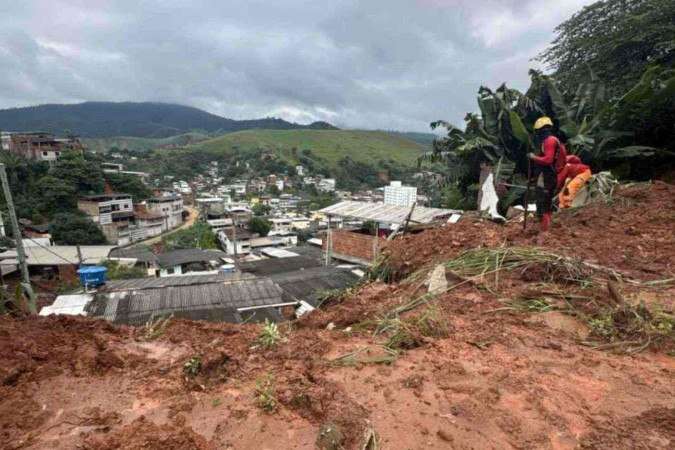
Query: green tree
column 617, row 39
column 82, row 172
column 261, row 210
column 129, row 184
column 260, row 226
column 75, row 229
column 56, row 195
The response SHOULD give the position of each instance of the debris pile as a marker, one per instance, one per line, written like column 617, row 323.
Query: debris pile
column 474, row 335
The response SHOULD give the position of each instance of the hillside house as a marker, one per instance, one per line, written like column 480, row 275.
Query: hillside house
column 39, row 146
column 189, row 261
column 170, row 207
column 226, row 238
column 114, row 213
column 150, row 224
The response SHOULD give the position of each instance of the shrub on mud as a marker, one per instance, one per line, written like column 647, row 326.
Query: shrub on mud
column 265, row 392
column 269, row 335
column 192, row 367
column 410, row 332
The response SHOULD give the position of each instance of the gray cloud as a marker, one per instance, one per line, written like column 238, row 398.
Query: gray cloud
column 391, row 64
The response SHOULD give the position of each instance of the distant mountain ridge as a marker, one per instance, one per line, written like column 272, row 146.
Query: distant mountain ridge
column 144, row 119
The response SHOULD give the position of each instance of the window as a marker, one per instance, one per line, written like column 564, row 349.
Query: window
column 170, row 271
column 45, row 153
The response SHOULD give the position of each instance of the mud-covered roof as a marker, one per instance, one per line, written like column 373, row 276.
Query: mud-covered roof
column 310, row 284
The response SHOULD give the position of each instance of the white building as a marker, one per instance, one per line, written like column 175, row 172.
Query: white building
column 170, row 207
column 227, row 240
column 326, row 185
column 280, row 185
column 300, row 170
column 398, row 195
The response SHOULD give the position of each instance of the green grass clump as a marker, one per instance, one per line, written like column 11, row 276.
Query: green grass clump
column 269, row 335
column 193, row 366
column 265, row 392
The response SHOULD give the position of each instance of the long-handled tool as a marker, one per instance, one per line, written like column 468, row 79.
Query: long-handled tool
column 526, row 198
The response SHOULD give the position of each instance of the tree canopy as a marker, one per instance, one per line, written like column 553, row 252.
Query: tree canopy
column 617, row 39
column 75, row 229
column 260, row 226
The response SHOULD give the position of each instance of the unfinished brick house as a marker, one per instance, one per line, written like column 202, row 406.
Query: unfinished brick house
column 40, row 146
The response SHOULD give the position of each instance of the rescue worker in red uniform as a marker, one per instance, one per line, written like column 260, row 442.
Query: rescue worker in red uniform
column 549, row 169
column 579, row 174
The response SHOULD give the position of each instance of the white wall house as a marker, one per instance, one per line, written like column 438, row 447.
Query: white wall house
column 170, row 207
column 227, row 239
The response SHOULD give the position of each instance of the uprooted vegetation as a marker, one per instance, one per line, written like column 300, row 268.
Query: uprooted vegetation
column 549, row 345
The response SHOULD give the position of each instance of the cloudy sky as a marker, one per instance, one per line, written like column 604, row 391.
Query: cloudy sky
column 391, row 64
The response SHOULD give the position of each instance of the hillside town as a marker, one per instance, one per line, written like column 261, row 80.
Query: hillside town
column 337, row 225
column 269, row 229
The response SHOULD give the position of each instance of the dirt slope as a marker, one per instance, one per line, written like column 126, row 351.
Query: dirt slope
column 467, row 372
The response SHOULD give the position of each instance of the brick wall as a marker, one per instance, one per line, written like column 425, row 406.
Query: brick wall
column 352, row 244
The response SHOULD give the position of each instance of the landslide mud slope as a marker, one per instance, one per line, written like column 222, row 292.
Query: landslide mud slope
column 526, row 359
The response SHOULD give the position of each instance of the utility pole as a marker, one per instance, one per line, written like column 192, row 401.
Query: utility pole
column 234, row 240
column 20, row 254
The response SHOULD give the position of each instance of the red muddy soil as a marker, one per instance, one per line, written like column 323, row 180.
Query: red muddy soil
column 472, row 374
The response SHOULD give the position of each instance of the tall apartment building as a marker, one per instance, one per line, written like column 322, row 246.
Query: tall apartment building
column 398, row 195
column 38, row 146
column 170, row 207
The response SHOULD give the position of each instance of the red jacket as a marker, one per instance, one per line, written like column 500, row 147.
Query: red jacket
column 549, row 154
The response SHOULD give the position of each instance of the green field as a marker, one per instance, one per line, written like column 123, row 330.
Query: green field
column 330, row 145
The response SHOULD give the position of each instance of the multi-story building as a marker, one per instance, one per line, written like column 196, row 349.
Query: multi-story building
column 170, row 207
column 112, row 212
column 398, row 195
column 39, row 146
column 239, row 239
column 148, row 224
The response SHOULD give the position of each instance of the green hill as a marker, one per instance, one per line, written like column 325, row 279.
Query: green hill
column 103, row 145
column 328, row 145
column 356, row 158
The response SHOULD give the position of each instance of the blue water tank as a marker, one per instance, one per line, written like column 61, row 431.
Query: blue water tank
column 92, row 276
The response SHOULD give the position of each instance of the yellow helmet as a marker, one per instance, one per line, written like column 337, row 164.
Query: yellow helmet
column 542, row 122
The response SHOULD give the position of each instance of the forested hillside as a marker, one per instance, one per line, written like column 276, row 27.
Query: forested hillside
column 150, row 120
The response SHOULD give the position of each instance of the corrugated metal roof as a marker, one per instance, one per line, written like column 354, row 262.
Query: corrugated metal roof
column 185, row 280
column 142, row 254
column 58, row 255
column 309, row 284
column 209, row 301
column 379, row 212
column 274, row 266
